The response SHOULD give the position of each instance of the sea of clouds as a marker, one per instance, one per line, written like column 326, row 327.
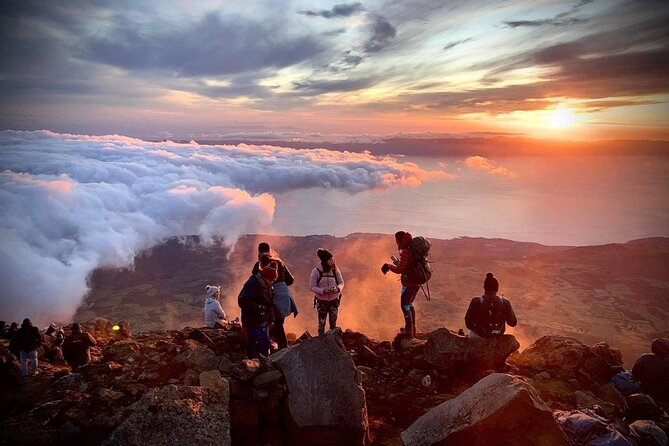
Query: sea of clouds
column 73, row 203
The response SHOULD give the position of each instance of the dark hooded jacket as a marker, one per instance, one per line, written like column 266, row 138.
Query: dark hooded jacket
column 257, row 302
column 27, row 338
column 77, row 348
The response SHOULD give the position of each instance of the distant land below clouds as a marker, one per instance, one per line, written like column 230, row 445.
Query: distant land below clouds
column 486, row 144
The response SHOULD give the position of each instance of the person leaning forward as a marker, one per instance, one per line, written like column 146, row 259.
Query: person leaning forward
column 77, row 347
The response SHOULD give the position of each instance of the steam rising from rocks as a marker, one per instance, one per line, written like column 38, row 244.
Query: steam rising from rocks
column 72, row 203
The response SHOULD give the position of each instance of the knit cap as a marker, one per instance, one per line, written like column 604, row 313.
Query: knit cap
column 323, row 254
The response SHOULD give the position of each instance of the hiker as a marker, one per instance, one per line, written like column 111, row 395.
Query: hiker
column 652, row 371
column 213, row 312
column 55, row 353
column 284, row 303
column 11, row 331
column 77, row 347
column 27, row 341
column 256, row 299
column 410, row 284
column 327, row 284
column 488, row 314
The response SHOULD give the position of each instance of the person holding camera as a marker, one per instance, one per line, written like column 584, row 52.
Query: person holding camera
column 256, row 300
column 409, row 289
column 488, row 315
column 327, row 284
column 213, row 312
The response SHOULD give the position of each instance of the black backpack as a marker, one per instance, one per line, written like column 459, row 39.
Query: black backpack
column 492, row 318
column 419, row 270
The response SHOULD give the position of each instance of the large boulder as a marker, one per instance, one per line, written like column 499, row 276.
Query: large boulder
column 500, row 409
column 325, row 399
column 176, row 415
column 450, row 352
column 566, row 358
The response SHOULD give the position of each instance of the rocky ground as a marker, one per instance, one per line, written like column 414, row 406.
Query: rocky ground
column 194, row 386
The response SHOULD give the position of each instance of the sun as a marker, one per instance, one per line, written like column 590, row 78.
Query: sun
column 562, row 117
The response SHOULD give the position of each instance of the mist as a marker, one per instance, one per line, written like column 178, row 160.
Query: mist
column 74, row 203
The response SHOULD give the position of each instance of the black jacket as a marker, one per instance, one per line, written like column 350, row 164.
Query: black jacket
column 282, row 269
column 27, row 339
column 257, row 302
column 487, row 313
column 76, row 348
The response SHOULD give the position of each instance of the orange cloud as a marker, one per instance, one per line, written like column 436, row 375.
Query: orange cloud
column 486, row 165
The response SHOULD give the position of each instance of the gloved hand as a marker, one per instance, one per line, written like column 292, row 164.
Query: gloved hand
column 385, row 268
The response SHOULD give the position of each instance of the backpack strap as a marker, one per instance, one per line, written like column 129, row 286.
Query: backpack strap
column 498, row 315
column 320, row 276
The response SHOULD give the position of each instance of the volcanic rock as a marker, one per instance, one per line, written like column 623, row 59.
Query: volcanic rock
column 500, row 409
column 175, row 415
column 325, row 399
column 450, row 352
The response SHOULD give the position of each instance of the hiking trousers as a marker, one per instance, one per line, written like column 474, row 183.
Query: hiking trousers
column 327, row 310
column 24, row 355
column 257, row 341
column 407, row 296
column 279, row 333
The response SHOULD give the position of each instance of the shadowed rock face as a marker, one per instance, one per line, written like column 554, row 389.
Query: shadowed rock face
column 568, row 358
column 500, row 409
column 325, row 398
column 450, row 352
column 176, row 415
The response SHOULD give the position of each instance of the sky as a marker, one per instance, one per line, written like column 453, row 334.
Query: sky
column 579, row 70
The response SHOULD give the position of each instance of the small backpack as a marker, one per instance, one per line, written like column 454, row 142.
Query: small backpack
column 419, row 270
column 495, row 322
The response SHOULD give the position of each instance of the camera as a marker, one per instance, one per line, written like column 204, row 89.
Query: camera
column 395, row 260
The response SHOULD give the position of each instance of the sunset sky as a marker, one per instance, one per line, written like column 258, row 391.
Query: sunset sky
column 583, row 70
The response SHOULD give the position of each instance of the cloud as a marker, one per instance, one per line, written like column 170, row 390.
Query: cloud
column 73, row 203
column 450, row 46
column 562, row 19
column 341, row 10
column 382, row 33
column 210, row 46
column 486, row 165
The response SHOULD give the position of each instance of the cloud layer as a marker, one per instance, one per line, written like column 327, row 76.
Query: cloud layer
column 72, row 203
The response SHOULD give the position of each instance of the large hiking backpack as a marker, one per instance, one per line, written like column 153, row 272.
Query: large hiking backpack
column 419, row 271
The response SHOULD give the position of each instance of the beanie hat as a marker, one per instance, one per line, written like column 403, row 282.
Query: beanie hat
column 323, row 254
column 212, row 290
column 270, row 272
column 490, row 284
column 660, row 346
column 263, row 247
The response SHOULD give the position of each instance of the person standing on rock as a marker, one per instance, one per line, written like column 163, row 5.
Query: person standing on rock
column 77, row 347
column 327, row 284
column 213, row 312
column 409, row 289
column 256, row 300
column 27, row 341
column 488, row 315
column 284, row 303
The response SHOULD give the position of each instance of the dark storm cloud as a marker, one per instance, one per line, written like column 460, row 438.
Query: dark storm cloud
column 341, row 10
column 211, row 46
column 382, row 33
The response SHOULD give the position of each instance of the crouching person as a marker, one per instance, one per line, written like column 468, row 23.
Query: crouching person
column 77, row 347
column 213, row 312
column 488, row 315
column 256, row 300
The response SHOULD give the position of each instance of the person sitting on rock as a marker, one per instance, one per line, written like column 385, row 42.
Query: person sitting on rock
column 256, row 300
column 327, row 283
column 284, row 303
column 213, row 312
column 652, row 371
column 27, row 341
column 77, row 347
column 488, row 314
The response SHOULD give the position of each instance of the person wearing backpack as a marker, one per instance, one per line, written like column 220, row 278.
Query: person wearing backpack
column 488, row 315
column 410, row 286
column 284, row 303
column 256, row 300
column 327, row 284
